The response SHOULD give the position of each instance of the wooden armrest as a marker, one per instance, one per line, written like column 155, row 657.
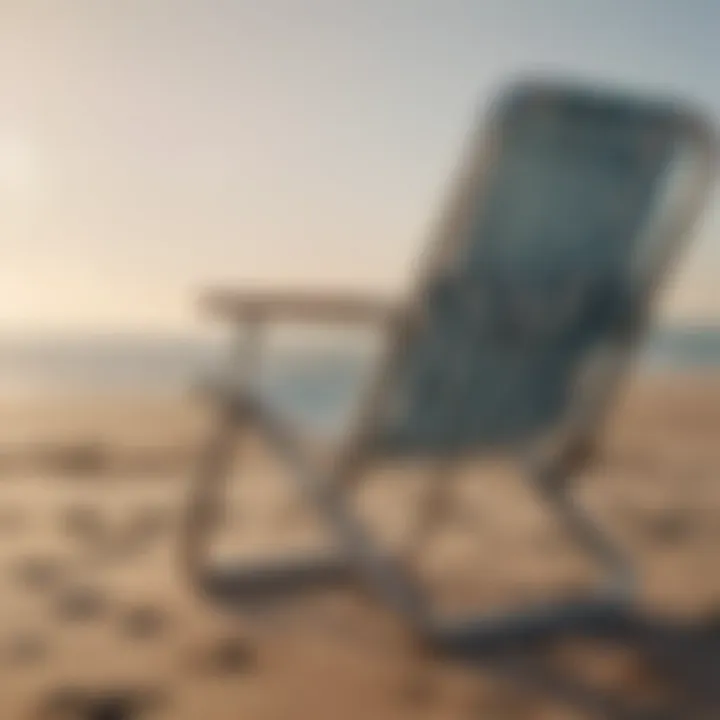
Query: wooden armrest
column 237, row 305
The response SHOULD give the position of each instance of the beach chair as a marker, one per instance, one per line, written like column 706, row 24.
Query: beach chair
column 527, row 312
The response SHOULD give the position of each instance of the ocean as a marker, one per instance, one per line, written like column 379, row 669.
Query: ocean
column 312, row 382
column 318, row 385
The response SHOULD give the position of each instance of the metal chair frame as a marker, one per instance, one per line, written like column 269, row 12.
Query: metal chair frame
column 549, row 472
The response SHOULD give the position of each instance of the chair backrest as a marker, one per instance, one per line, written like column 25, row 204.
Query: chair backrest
column 563, row 220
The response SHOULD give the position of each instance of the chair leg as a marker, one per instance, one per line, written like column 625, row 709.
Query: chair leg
column 601, row 613
column 360, row 560
column 241, row 583
column 595, row 542
column 384, row 575
column 357, row 558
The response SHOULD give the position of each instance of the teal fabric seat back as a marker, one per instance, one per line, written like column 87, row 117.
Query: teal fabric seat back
column 536, row 268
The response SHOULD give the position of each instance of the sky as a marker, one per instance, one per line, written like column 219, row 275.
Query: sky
column 149, row 148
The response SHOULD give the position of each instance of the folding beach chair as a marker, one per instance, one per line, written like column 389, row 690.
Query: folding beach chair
column 561, row 225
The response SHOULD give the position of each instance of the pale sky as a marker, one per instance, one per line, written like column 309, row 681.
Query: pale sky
column 149, row 147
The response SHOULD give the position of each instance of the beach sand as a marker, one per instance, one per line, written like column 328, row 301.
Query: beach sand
column 95, row 609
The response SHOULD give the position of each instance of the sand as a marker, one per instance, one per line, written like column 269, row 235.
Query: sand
column 95, row 608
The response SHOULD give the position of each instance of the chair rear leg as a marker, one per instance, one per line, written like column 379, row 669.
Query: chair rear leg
column 597, row 544
column 601, row 613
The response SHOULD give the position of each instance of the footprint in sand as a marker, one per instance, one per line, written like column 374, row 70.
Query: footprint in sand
column 81, row 603
column 84, row 523
column 70, row 703
column 38, row 572
column 670, row 527
column 141, row 530
column 152, row 522
column 225, row 656
column 144, row 622
column 24, row 649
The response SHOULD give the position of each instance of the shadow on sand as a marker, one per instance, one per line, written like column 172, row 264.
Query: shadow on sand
column 675, row 671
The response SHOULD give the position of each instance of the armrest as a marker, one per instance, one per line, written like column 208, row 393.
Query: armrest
column 253, row 306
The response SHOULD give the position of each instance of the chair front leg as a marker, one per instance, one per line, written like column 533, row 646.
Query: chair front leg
column 603, row 612
column 239, row 585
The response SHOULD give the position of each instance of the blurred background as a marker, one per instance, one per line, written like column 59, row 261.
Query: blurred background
column 151, row 149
